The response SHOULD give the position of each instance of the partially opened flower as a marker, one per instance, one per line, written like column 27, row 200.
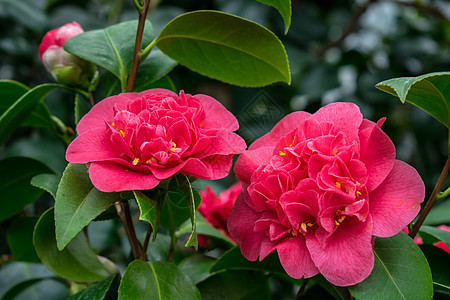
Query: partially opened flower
column 132, row 141
column 217, row 209
column 317, row 188
column 66, row 68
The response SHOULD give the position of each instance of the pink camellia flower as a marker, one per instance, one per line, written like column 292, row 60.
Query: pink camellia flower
column 317, row 188
column 217, row 209
column 132, row 141
column 65, row 67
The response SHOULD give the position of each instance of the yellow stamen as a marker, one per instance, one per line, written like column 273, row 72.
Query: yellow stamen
column 335, row 152
column 122, row 133
column 358, row 193
column 338, row 184
column 135, row 161
column 357, row 183
column 281, row 153
column 112, row 124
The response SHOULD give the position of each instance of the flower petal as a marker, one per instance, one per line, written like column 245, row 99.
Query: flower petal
column 112, row 177
column 295, row 258
column 396, row 201
column 250, row 160
column 90, row 147
column 377, row 153
column 286, row 125
column 240, row 225
column 217, row 112
column 346, row 258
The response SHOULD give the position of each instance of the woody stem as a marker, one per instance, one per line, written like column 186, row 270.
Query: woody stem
column 137, row 46
column 432, row 199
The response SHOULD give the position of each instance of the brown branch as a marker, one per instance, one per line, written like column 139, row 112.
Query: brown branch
column 351, row 27
column 432, row 199
column 146, row 241
column 123, row 210
column 92, row 98
column 137, row 46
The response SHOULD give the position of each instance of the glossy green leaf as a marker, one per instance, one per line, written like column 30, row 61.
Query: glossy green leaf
column 284, row 8
column 15, row 188
column 175, row 211
column 203, row 227
column 234, row 260
column 235, row 285
column 76, row 262
column 77, row 203
column 11, row 91
column 431, row 234
column 20, row 239
column 156, row 280
column 439, row 261
column 197, row 267
column 225, row 47
column 17, row 289
column 154, row 67
column 401, row 271
column 97, row 291
column 149, row 209
column 82, row 107
column 185, row 186
column 15, row 114
column 111, row 48
column 163, row 83
column 47, row 182
column 440, row 214
column 430, row 92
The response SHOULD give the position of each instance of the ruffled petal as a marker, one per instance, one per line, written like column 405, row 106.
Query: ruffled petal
column 250, row 160
column 286, row 125
column 295, row 258
column 396, row 201
column 240, row 225
column 90, row 147
column 112, row 177
column 218, row 113
column 346, row 257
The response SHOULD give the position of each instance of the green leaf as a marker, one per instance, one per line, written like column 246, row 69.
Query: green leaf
column 11, row 119
column 439, row 260
column 235, row 285
column 154, row 67
column 175, row 211
column 76, row 262
column 163, row 83
column 225, row 47
column 77, row 203
column 20, row 239
column 47, row 182
column 185, row 186
column 82, row 107
column 197, row 267
column 15, row 188
column 440, row 214
column 431, row 234
column 149, row 209
column 111, row 48
column 156, row 280
column 25, row 12
column 401, row 271
column 203, row 227
column 11, row 91
column 97, row 291
column 284, row 8
column 17, row 289
column 430, row 92
column 234, row 260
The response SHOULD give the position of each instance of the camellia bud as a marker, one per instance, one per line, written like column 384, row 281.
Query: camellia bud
column 66, row 68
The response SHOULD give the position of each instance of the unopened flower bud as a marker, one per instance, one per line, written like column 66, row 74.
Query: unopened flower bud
column 66, row 68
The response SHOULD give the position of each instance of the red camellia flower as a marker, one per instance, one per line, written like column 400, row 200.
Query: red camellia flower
column 317, row 188
column 132, row 141
column 65, row 67
column 217, row 209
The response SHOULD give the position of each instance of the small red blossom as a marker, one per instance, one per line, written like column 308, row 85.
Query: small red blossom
column 132, row 141
column 317, row 188
column 217, row 209
column 439, row 244
column 65, row 67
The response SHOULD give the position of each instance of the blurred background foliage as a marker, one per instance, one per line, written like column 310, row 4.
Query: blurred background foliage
column 338, row 50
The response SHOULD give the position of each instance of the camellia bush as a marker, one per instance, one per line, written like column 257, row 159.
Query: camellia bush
column 320, row 206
